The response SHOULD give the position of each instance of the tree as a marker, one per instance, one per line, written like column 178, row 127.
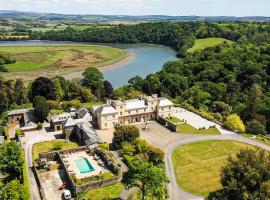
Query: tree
column 197, row 97
column 254, row 99
column 58, row 89
column 4, row 101
column 235, row 123
column 151, row 180
column 13, row 190
column 93, row 79
column 11, row 161
column 43, row 87
column 108, row 89
column 125, row 133
column 255, row 127
column 20, row 92
column 245, row 177
column 41, row 108
column 221, row 107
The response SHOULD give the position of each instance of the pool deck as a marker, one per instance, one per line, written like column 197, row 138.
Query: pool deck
column 72, row 168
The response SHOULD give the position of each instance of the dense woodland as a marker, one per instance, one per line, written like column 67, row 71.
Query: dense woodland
column 222, row 80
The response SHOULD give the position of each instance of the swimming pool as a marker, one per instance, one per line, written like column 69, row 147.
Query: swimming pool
column 84, row 165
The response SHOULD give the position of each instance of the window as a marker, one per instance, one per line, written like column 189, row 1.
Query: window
column 152, row 108
column 113, row 123
column 121, row 107
column 105, row 117
column 113, row 116
column 162, row 109
column 105, row 124
column 128, row 112
column 120, row 113
column 144, row 110
column 137, row 111
column 170, row 108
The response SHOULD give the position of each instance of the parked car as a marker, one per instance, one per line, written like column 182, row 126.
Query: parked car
column 67, row 194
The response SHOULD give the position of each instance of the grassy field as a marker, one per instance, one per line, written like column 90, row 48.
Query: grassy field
column 207, row 42
column 110, row 192
column 51, row 146
column 188, row 129
column 31, row 58
column 259, row 138
column 198, row 165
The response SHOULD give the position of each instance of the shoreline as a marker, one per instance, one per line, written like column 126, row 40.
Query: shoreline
column 129, row 58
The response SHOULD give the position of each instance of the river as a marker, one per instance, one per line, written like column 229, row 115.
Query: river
column 147, row 59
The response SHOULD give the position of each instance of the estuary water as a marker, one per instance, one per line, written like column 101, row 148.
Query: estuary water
column 146, row 59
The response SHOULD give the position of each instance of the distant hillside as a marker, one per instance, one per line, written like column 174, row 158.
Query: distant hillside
column 110, row 18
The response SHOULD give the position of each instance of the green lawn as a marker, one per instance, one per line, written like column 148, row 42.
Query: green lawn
column 52, row 146
column 30, row 58
column 110, row 192
column 197, row 166
column 259, row 138
column 188, row 129
column 207, row 42
column 174, row 120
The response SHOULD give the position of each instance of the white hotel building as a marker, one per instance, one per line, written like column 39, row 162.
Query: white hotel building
column 132, row 111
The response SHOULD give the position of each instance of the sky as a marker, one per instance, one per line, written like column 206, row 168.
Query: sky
column 144, row 7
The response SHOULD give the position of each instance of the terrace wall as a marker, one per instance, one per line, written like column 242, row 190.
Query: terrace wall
column 106, row 157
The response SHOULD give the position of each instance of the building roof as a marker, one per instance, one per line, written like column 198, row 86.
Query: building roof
column 81, row 112
column 18, row 112
column 90, row 134
column 135, row 104
column 105, row 110
column 164, row 102
column 61, row 118
column 70, row 122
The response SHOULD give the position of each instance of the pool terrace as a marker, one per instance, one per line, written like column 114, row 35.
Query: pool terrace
column 79, row 168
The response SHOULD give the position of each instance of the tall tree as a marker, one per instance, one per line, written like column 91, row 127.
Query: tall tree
column 11, row 161
column 20, row 92
column 108, row 89
column 41, row 108
column 4, row 101
column 43, row 87
column 93, row 79
column 13, row 190
column 254, row 99
column 245, row 177
column 151, row 180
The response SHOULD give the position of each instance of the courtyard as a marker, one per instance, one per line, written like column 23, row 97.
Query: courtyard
column 50, row 182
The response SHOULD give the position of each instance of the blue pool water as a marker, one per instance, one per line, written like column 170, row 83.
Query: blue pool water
column 84, row 165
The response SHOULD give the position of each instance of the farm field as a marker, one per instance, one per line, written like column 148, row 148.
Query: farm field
column 197, row 166
column 208, row 42
column 66, row 56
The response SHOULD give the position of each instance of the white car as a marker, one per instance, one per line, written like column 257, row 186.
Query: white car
column 67, row 194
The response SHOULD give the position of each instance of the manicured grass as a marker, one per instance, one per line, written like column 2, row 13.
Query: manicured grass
column 207, row 42
column 52, row 146
column 188, row 129
column 259, row 138
column 110, row 192
column 30, row 58
column 91, row 104
column 174, row 120
column 25, row 177
column 197, row 166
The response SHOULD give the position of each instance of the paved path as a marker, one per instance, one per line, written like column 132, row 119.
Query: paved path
column 30, row 139
column 175, row 192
